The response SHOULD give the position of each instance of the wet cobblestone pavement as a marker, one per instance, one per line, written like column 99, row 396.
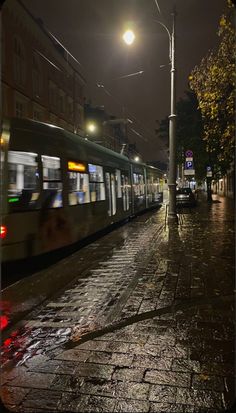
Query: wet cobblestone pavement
column 148, row 327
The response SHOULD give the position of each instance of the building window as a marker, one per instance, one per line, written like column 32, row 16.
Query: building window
column 38, row 113
column 21, row 110
column 3, row 50
column 61, row 101
column 4, row 101
column 52, row 95
column 79, row 116
column 53, row 119
column 62, row 124
column 70, row 108
column 19, row 61
column 36, row 75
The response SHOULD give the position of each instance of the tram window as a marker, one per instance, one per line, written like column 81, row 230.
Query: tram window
column 153, row 189
column 141, row 183
column 23, row 180
column 125, row 191
column 78, row 188
column 52, row 182
column 138, row 184
column 97, row 187
column 113, row 194
column 118, row 182
column 149, row 189
column 156, row 189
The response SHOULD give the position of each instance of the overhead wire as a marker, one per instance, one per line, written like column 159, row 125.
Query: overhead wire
column 158, row 7
column 97, row 84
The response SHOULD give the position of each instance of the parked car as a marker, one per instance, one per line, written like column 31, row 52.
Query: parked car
column 185, row 196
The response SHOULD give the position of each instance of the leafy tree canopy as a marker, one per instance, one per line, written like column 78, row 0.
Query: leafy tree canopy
column 213, row 81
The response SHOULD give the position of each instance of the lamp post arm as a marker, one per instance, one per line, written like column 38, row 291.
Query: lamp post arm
column 169, row 36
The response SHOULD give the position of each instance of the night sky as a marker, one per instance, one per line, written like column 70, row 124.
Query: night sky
column 92, row 31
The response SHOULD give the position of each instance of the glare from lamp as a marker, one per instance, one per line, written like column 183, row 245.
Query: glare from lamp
column 128, row 37
column 91, row 127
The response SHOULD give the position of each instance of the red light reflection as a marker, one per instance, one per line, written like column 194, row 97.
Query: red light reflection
column 4, row 321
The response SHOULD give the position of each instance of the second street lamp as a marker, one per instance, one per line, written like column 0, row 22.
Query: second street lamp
column 172, row 216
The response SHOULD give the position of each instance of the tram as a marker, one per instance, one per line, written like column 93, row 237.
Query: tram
column 58, row 188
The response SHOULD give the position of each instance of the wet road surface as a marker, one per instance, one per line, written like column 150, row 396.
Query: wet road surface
column 148, row 327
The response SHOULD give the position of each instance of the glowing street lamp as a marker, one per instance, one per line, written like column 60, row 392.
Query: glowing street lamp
column 128, row 37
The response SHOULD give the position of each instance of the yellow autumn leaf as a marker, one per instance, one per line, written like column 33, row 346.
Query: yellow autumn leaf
column 204, row 377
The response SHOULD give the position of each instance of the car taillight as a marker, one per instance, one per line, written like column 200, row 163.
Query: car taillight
column 3, row 231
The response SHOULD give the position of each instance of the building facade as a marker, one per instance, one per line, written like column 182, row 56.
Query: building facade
column 108, row 130
column 39, row 80
column 225, row 185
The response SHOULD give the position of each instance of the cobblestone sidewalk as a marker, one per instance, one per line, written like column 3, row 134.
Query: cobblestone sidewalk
column 158, row 339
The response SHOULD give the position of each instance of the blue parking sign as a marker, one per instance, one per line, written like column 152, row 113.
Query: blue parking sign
column 189, row 165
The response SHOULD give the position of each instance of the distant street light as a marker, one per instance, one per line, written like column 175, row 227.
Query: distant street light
column 91, row 127
column 172, row 216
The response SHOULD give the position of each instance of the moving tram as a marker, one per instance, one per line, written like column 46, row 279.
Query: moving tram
column 58, row 188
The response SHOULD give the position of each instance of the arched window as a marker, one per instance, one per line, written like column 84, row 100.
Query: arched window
column 19, row 61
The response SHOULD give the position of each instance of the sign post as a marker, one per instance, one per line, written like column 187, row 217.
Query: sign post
column 209, row 172
column 208, row 179
column 188, row 166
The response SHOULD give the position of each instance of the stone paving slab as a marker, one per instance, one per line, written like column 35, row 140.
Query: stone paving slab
column 176, row 351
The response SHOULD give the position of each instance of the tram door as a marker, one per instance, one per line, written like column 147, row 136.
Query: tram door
column 111, row 193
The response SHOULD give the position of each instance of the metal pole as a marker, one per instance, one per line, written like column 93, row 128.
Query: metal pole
column 172, row 216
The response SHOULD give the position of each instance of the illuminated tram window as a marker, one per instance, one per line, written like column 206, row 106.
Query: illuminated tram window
column 96, row 183
column 23, row 180
column 118, row 183
column 78, row 188
column 125, row 188
column 52, row 182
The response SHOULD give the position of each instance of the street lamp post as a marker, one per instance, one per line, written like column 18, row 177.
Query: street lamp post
column 172, row 216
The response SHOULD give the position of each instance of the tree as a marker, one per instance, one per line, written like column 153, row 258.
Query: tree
column 189, row 133
column 213, row 81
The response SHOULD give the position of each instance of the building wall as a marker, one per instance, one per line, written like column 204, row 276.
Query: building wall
column 109, row 131
column 38, row 80
column 225, row 186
